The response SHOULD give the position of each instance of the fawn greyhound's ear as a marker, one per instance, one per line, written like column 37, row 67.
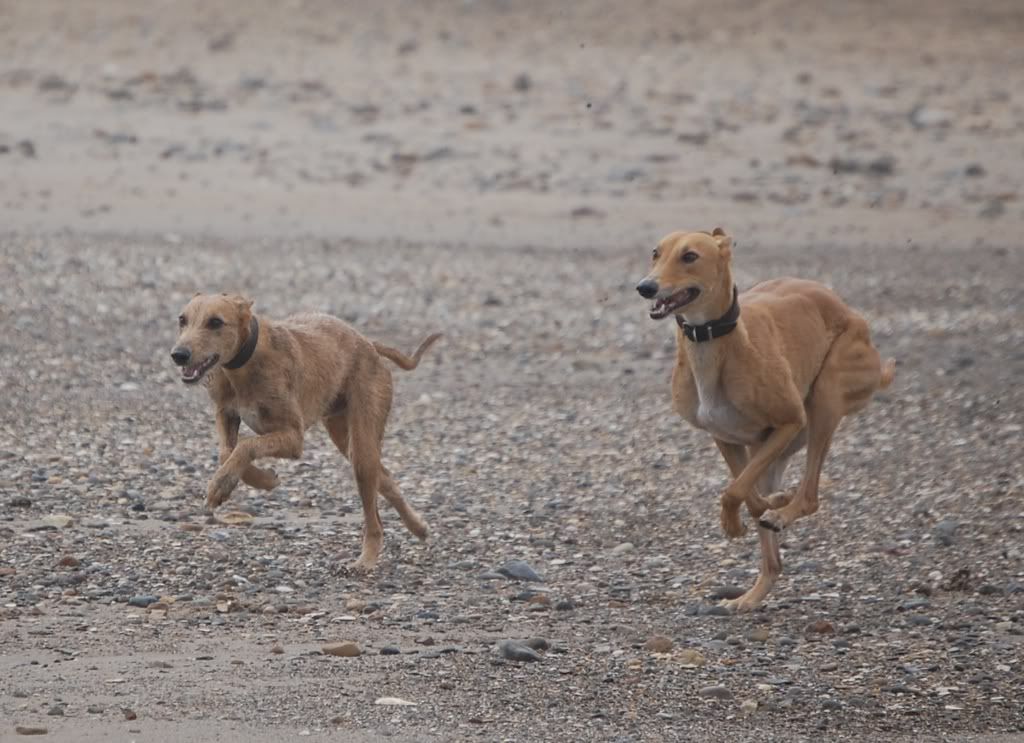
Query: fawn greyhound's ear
column 723, row 240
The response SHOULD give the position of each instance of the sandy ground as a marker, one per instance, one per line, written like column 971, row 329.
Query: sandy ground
column 499, row 171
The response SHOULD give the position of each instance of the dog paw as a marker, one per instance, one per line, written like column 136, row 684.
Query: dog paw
column 363, row 565
column 772, row 520
column 778, row 500
column 740, row 605
column 732, row 524
column 220, row 489
column 262, row 479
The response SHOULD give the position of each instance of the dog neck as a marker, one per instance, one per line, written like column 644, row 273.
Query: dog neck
column 708, row 331
column 248, row 347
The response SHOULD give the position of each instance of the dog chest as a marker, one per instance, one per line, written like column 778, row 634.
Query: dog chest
column 716, row 414
column 256, row 417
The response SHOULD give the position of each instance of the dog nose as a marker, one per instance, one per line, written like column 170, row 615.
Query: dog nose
column 647, row 288
column 181, row 355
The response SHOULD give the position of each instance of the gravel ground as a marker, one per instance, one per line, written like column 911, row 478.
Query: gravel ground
column 539, row 430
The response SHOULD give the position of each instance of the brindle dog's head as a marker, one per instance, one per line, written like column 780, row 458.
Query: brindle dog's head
column 212, row 329
column 690, row 270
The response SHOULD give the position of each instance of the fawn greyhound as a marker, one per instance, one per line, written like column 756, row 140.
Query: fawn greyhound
column 281, row 378
column 766, row 373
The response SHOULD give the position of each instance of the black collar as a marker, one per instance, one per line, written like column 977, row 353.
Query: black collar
column 716, row 328
column 248, row 348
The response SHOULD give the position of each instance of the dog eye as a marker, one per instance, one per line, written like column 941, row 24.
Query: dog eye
column 182, row 321
column 654, row 254
column 214, row 323
column 689, row 256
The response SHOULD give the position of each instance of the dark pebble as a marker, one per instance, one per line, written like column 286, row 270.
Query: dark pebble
column 725, row 592
column 717, row 611
column 945, row 532
column 715, row 692
column 911, row 604
column 143, row 601
column 20, row 501
column 389, row 650
column 519, row 570
column 517, row 651
column 565, row 605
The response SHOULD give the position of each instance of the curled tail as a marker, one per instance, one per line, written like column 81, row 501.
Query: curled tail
column 888, row 373
column 406, row 362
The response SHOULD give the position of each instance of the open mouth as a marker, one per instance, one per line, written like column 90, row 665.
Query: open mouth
column 664, row 307
column 194, row 372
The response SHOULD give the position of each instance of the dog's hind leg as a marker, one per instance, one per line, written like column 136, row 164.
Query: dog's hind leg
column 824, row 413
column 361, row 449
column 337, row 427
column 412, row 520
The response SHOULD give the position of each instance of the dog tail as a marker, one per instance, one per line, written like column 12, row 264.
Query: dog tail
column 406, row 362
column 888, row 374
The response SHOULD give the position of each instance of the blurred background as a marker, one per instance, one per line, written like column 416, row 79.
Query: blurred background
column 514, row 122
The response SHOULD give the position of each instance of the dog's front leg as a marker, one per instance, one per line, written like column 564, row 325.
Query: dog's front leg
column 286, row 444
column 227, row 437
column 744, row 488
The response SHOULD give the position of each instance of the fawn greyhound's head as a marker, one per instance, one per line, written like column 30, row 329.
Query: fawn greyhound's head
column 690, row 276
column 213, row 329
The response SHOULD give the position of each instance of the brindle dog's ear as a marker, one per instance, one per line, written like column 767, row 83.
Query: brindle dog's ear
column 717, row 231
column 244, row 307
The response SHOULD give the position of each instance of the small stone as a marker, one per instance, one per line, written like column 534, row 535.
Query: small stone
column 987, row 589
column 538, row 643
column 56, row 711
column 518, row 651
column 945, row 532
column 7, row 572
column 356, row 605
column 342, row 649
column 30, row 730
column 59, row 520
column 820, row 627
column 143, row 600
column 758, row 634
column 235, row 518
column 277, row 650
column 623, row 548
column 539, row 600
column 923, row 117
column 658, row 644
column 520, row 570
column 832, row 704
column 565, row 605
column 94, row 709
column 690, row 658
column 725, row 592
column 20, row 501
column 129, row 714
column 394, row 702
column 748, row 706
column 390, row 650
column 715, row 692
column 69, row 561
column 522, row 82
